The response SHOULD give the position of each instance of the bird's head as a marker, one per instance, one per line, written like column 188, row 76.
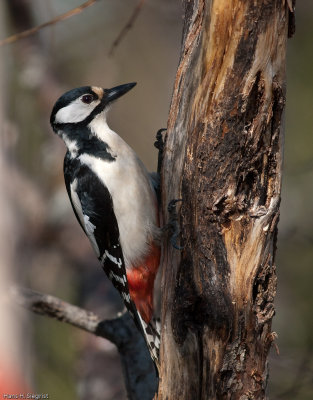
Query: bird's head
column 81, row 105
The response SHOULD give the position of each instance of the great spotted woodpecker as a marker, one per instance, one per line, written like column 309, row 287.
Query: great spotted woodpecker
column 113, row 198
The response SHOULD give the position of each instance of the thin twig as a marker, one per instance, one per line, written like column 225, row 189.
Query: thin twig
column 114, row 330
column 127, row 26
column 139, row 373
column 35, row 29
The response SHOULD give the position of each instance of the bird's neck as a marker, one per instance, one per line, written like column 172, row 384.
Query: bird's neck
column 100, row 129
column 86, row 140
column 96, row 139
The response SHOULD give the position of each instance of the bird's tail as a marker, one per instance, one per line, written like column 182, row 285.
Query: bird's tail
column 151, row 333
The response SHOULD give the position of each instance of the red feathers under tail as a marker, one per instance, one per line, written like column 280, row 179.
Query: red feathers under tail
column 141, row 281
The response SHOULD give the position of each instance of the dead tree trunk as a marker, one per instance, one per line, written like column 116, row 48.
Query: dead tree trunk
column 223, row 157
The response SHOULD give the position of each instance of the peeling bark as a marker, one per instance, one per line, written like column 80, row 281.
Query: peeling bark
column 223, row 157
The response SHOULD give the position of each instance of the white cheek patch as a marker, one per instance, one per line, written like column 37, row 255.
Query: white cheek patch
column 76, row 111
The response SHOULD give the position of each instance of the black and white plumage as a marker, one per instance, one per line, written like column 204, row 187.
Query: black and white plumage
column 113, row 199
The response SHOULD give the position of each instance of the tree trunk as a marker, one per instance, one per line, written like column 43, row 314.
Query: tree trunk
column 223, row 157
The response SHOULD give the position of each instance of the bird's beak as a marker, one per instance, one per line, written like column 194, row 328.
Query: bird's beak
column 118, row 91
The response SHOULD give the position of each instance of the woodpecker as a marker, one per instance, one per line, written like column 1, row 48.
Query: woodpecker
column 113, row 199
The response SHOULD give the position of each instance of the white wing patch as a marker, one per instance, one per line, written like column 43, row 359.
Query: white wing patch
column 117, row 278
column 116, row 261
column 126, row 297
column 89, row 226
column 84, row 219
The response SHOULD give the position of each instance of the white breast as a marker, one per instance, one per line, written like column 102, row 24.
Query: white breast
column 133, row 197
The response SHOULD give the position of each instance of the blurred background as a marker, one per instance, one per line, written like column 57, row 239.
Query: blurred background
column 41, row 245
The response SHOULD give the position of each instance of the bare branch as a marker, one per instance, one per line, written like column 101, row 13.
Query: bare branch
column 138, row 369
column 62, row 17
column 127, row 26
column 45, row 304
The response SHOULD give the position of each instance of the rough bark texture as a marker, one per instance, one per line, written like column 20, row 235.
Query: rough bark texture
column 223, row 157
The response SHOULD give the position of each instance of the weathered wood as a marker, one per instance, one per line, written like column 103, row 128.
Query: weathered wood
column 223, row 157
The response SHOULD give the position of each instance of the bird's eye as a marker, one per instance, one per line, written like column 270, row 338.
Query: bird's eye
column 87, row 98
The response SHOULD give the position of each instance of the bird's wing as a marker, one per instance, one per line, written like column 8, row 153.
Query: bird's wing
column 93, row 207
